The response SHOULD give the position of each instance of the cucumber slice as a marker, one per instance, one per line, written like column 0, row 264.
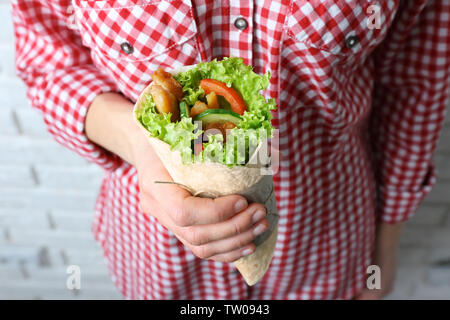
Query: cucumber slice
column 184, row 110
column 218, row 115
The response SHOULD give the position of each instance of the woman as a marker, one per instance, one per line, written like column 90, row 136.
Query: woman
column 361, row 94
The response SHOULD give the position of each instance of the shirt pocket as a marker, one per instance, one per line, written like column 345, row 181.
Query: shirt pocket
column 326, row 57
column 134, row 30
column 345, row 29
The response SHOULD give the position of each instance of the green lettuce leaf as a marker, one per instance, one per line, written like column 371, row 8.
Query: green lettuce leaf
column 179, row 136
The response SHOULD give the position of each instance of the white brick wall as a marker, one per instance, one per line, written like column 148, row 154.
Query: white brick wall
column 47, row 195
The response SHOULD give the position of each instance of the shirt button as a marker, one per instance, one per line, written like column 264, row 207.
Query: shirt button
column 367, row 5
column 241, row 23
column 127, row 47
column 351, row 41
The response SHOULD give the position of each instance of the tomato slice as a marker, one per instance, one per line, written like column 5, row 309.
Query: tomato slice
column 221, row 89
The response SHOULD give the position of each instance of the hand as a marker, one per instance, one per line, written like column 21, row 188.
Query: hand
column 385, row 256
column 221, row 229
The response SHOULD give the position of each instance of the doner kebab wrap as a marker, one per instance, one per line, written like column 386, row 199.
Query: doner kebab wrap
column 210, row 125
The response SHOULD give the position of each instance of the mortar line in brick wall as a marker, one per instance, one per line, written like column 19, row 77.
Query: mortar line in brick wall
column 51, row 221
column 440, row 263
column 76, row 292
column 34, row 175
column 23, row 269
column 44, row 258
column 446, row 219
column 16, row 121
column 443, row 219
column 64, row 257
column 7, row 235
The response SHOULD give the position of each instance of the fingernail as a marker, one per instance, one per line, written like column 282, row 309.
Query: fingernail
column 240, row 205
column 259, row 215
column 247, row 251
column 259, row 229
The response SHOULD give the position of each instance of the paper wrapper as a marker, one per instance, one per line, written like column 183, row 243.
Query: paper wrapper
column 213, row 180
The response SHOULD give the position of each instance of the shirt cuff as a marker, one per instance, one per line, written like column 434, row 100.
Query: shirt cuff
column 400, row 205
column 64, row 97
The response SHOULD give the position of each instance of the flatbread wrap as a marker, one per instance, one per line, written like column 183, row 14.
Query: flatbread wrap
column 212, row 138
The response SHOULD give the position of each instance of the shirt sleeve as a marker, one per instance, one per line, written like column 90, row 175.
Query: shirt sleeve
column 59, row 74
column 412, row 69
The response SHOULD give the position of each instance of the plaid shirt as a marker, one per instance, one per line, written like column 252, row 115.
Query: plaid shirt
column 360, row 109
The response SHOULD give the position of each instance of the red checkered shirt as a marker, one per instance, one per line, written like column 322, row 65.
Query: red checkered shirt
column 361, row 93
